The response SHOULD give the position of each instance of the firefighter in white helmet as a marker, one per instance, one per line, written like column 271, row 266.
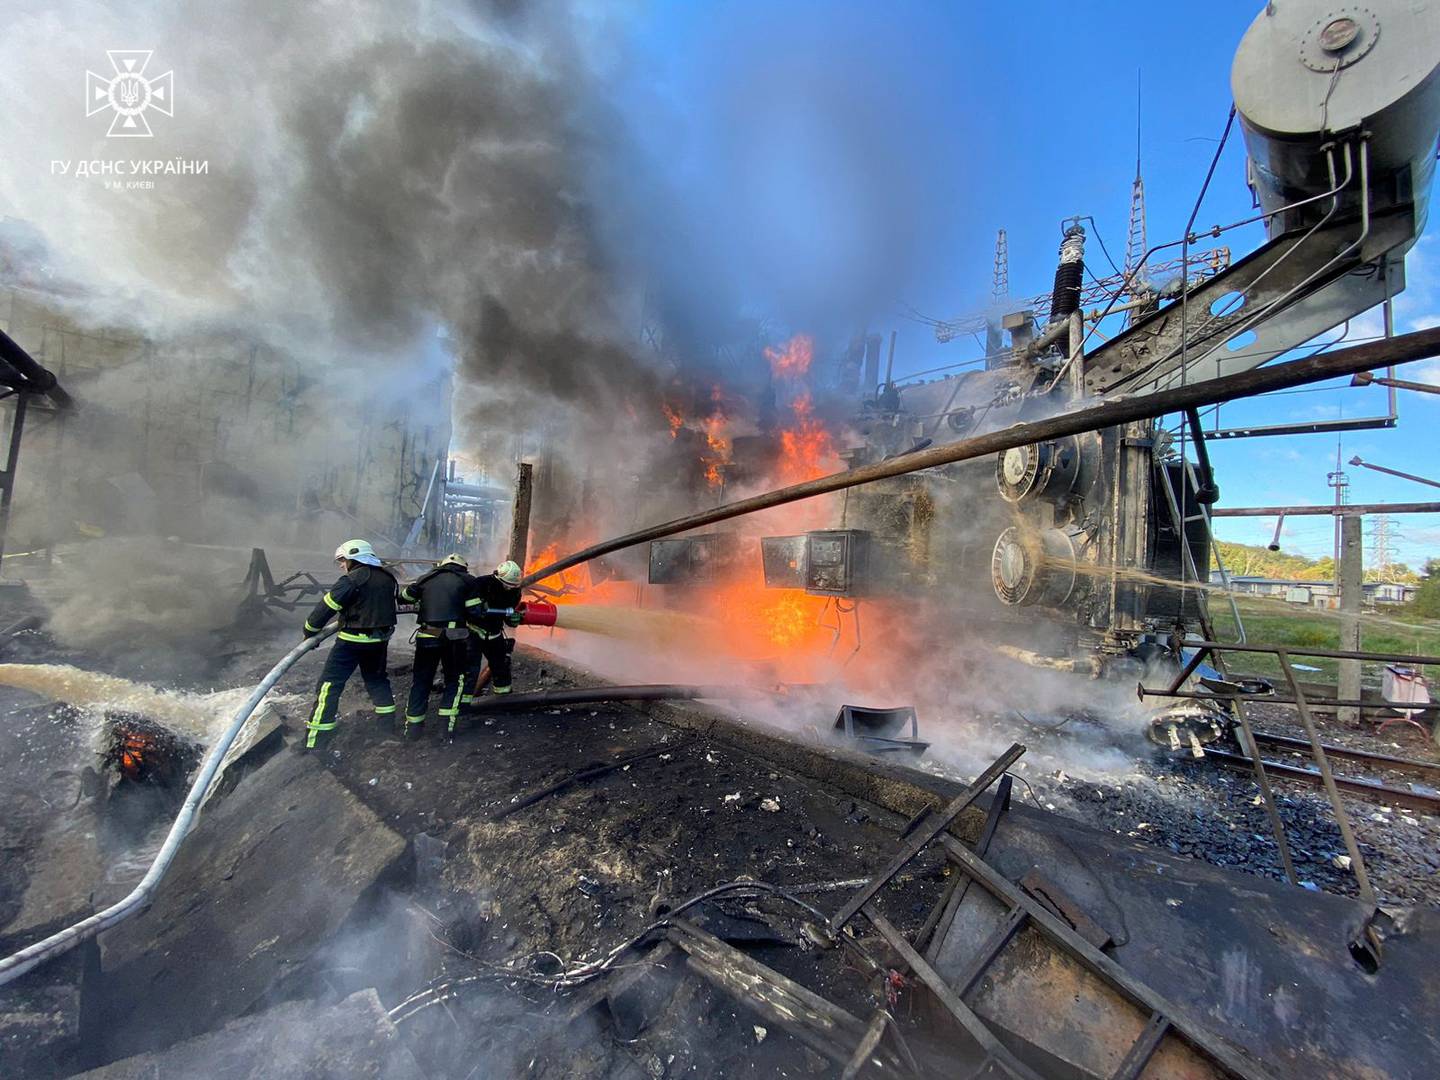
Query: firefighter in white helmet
column 364, row 602
column 497, row 591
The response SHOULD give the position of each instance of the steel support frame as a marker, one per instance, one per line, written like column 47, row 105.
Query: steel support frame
column 12, row 460
column 1307, row 720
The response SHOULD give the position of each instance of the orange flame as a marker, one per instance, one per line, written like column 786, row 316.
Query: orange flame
column 793, row 360
column 807, row 450
column 717, row 442
column 672, row 418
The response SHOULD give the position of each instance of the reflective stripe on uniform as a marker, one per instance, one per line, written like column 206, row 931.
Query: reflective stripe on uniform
column 362, row 639
column 446, row 712
column 466, row 699
column 330, row 602
column 384, row 708
column 500, row 689
column 312, row 629
column 315, row 724
column 485, row 635
column 320, row 699
column 474, row 602
column 414, row 719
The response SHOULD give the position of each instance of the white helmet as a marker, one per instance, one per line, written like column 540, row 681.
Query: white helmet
column 357, row 551
column 509, row 572
column 454, row 559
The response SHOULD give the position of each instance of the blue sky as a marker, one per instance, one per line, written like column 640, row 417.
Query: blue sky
column 986, row 116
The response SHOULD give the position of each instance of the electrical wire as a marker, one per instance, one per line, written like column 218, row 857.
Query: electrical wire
column 437, row 992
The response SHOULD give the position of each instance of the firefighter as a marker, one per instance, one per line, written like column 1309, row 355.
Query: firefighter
column 441, row 639
column 364, row 601
column 500, row 590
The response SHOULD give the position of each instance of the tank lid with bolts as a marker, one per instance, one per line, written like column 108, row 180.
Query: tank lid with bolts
column 1304, row 69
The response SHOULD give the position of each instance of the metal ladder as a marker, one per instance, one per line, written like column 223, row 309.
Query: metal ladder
column 1181, row 524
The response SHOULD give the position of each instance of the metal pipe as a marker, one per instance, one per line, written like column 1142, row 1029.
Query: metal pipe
column 1419, row 345
column 1364, row 378
column 17, row 964
column 1393, row 472
column 591, row 694
column 1275, row 540
column 1274, row 699
column 1317, row 753
column 37, row 378
column 1327, row 654
column 1343, row 509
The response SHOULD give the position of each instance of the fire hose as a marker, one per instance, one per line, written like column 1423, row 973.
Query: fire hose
column 1102, row 413
column 17, row 964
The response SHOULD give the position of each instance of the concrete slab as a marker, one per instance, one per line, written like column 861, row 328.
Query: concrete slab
column 353, row 1040
column 265, row 879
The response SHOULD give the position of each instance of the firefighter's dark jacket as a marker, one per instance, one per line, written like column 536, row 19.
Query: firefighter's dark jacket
column 441, row 594
column 490, row 592
column 363, row 600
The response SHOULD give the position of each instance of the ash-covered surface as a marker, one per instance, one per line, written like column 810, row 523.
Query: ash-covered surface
column 579, row 872
column 1198, row 809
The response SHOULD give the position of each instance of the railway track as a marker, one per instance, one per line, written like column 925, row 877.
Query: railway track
column 1377, row 790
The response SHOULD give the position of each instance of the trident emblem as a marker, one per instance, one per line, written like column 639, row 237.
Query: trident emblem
column 129, row 93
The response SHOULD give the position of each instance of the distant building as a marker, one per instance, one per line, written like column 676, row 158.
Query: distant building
column 1317, row 593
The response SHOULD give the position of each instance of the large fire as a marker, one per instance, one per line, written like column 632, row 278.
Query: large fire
column 784, row 635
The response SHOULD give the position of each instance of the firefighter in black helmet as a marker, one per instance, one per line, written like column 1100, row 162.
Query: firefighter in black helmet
column 497, row 591
column 364, row 600
column 441, row 639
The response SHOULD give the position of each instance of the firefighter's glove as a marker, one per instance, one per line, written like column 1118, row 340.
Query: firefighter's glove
column 515, row 618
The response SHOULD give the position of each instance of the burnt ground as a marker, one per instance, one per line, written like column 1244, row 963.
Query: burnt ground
column 583, row 870
column 1197, row 809
column 492, row 910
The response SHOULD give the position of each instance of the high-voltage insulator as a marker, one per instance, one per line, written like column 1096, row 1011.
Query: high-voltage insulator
column 1066, row 296
column 1045, row 470
column 1034, row 567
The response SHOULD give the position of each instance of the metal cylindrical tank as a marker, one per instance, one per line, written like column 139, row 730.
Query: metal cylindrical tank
column 1305, row 72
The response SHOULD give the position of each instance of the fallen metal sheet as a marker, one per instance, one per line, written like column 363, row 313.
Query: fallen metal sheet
column 353, row 1040
column 266, row 878
column 1265, row 965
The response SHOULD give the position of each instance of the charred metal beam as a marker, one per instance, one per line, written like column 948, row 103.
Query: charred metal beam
column 932, row 827
column 1398, row 350
column 821, row 1025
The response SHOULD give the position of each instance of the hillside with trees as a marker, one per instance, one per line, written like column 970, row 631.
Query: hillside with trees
column 1253, row 560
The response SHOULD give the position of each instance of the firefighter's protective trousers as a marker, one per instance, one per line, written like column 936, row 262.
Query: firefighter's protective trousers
column 344, row 658
column 434, row 652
